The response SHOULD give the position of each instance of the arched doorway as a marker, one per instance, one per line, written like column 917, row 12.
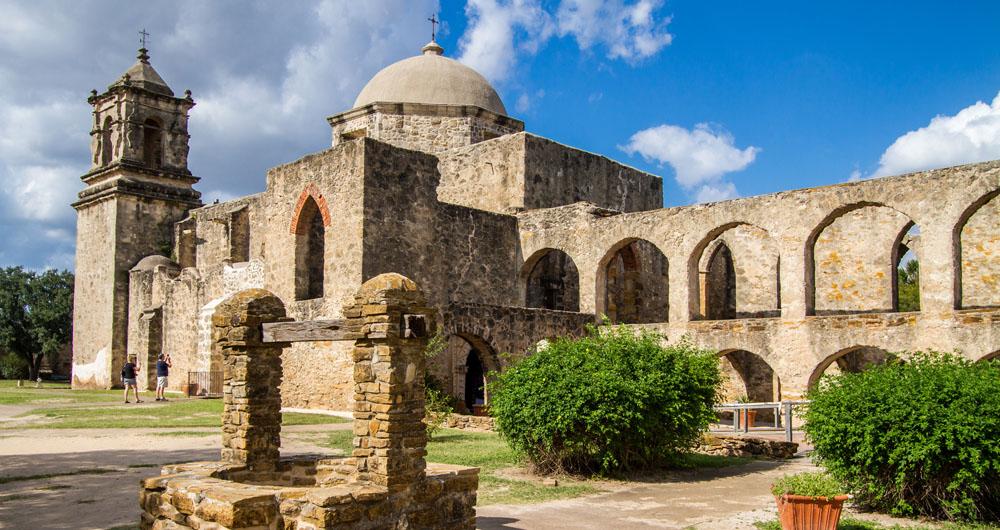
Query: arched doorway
column 551, row 281
column 747, row 377
column 850, row 360
column 632, row 283
column 473, row 360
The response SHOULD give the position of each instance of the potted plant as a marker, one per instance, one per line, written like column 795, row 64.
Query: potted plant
column 747, row 416
column 809, row 501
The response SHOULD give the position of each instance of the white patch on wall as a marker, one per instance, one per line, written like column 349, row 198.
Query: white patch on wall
column 95, row 371
column 203, row 356
column 239, row 276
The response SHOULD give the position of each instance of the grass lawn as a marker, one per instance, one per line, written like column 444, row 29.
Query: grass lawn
column 58, row 407
column 493, row 456
column 55, row 393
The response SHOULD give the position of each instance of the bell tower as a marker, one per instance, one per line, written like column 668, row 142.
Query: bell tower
column 137, row 187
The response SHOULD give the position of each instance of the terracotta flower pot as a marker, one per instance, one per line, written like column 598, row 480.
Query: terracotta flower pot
column 799, row 512
column 748, row 417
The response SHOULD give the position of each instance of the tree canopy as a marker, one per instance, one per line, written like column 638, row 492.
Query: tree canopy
column 36, row 314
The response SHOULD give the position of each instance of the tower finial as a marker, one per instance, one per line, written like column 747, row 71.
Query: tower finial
column 434, row 22
column 143, row 52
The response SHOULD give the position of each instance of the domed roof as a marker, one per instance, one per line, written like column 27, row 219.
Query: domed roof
column 431, row 78
column 151, row 262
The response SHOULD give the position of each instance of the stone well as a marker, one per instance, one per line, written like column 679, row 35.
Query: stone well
column 385, row 483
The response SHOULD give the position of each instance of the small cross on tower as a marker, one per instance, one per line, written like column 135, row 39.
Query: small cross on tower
column 434, row 22
column 142, row 38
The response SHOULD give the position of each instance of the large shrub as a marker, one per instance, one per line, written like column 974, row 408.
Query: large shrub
column 611, row 401
column 914, row 438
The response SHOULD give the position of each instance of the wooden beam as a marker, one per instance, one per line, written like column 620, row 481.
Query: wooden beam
column 310, row 330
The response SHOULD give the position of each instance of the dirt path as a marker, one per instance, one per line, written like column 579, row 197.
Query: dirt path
column 88, row 479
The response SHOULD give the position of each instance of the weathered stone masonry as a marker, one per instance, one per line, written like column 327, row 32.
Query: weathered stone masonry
column 385, row 483
column 515, row 239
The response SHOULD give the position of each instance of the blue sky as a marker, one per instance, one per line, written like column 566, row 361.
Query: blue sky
column 722, row 99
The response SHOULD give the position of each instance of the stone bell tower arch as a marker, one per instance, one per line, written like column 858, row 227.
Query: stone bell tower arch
column 137, row 187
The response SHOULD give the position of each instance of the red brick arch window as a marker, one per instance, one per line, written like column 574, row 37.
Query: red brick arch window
column 311, row 191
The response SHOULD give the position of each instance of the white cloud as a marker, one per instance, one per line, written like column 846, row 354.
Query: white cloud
column 264, row 77
column 698, row 156
column 971, row 135
column 721, row 191
column 488, row 43
column 855, row 175
column 526, row 101
column 630, row 32
column 500, row 30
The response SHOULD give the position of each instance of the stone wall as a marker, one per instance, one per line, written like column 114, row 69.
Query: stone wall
column 524, row 171
column 980, row 247
column 421, row 127
column 385, row 483
column 935, row 201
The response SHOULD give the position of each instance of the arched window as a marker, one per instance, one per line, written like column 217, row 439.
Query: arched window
column 720, row 285
column 107, row 150
column 632, row 283
column 552, row 282
column 152, row 144
column 310, row 246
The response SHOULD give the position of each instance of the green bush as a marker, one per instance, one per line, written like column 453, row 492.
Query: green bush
column 808, row 484
column 611, row 401
column 914, row 438
column 13, row 367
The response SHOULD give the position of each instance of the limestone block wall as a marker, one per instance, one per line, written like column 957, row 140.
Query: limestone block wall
column 854, row 260
column 225, row 232
column 113, row 234
column 524, row 171
column 496, row 331
column 936, row 201
column 754, row 256
column 556, row 174
column 421, row 127
column 336, row 177
column 980, row 247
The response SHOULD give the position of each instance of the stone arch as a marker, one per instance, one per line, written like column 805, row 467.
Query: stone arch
column 906, row 264
column 152, row 143
column 735, row 274
column 107, row 149
column 473, row 359
column 310, row 251
column 851, row 259
column 853, row 359
column 757, row 380
column 632, row 283
column 977, row 254
column 995, row 356
column 550, row 280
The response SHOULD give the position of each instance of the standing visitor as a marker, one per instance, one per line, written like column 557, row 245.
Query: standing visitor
column 163, row 365
column 129, row 372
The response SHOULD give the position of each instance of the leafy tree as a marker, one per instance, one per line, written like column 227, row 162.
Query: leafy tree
column 35, row 314
column 908, row 278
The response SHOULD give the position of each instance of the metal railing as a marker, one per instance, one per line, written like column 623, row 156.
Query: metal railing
column 743, row 416
column 204, row 384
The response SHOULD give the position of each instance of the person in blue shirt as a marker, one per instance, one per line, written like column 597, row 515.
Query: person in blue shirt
column 129, row 371
column 163, row 365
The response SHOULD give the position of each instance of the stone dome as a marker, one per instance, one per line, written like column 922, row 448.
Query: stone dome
column 151, row 262
column 433, row 79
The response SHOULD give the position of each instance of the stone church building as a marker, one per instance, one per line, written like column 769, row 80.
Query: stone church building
column 515, row 239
